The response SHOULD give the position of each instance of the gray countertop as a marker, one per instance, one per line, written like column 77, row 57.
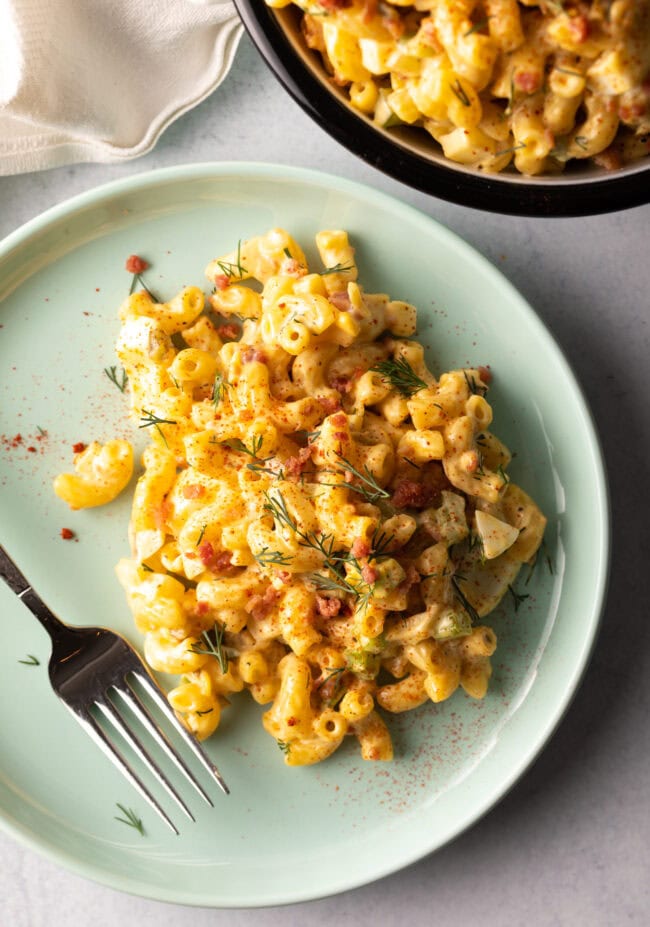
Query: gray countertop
column 570, row 844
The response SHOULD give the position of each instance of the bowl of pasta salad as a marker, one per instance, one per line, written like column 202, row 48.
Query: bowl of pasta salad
column 539, row 108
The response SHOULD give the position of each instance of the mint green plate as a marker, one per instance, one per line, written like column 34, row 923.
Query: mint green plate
column 283, row 835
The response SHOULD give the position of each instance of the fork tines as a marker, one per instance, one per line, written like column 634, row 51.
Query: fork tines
column 110, row 712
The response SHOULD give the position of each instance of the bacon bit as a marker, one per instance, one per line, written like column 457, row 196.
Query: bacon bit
column 360, row 548
column 341, row 300
column 229, row 332
column 292, row 721
column 579, row 27
column 193, row 491
column 610, row 159
column 527, row 81
column 328, row 686
column 409, row 494
column 202, row 608
column 294, row 466
column 251, row 354
column 136, row 265
column 368, row 11
column 369, row 574
column 328, row 608
column 67, row 534
column 206, row 553
column 329, row 404
column 485, row 374
column 78, row 447
column 340, row 420
column 629, row 112
column 259, row 606
column 332, row 5
column 284, row 576
column 222, row 282
column 340, row 384
column 223, row 561
column 218, row 561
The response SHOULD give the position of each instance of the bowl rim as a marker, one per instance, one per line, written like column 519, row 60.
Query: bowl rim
column 489, row 192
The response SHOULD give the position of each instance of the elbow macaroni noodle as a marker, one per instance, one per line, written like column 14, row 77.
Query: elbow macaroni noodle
column 532, row 84
column 320, row 519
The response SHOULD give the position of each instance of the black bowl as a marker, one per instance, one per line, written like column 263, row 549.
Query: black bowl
column 403, row 154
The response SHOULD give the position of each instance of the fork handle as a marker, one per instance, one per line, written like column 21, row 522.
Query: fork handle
column 19, row 584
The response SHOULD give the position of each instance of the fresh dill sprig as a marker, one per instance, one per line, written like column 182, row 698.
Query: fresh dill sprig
column 411, row 463
column 201, row 533
column 369, row 488
column 510, row 150
column 480, row 470
column 481, row 24
column 362, row 591
column 518, row 597
column 339, row 689
column 31, row 660
column 130, row 818
column 148, row 419
column 214, row 646
column 400, row 375
column 268, row 557
column 230, row 269
column 462, row 598
column 139, row 280
column 581, row 141
column 337, row 269
column 111, row 373
column 260, row 468
column 284, row 747
column 502, row 473
column 476, row 389
column 236, row 444
column 324, row 544
column 556, row 67
column 219, row 389
column 380, row 543
column 459, row 91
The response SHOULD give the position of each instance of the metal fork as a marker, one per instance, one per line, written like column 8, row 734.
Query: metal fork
column 92, row 670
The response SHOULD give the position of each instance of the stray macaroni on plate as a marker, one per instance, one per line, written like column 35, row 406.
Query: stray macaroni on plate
column 532, row 84
column 320, row 519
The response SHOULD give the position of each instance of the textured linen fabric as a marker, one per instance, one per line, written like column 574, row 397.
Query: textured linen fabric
column 99, row 80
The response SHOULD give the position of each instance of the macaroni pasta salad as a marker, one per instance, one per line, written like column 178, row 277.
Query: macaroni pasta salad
column 320, row 519
column 532, row 84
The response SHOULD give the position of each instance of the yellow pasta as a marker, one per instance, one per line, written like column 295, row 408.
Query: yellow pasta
column 530, row 84
column 321, row 520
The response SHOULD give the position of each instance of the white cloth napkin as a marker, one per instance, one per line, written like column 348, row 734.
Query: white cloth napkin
column 99, row 80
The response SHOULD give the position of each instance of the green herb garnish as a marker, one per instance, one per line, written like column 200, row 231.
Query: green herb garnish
column 119, row 381
column 518, row 597
column 459, row 92
column 400, row 375
column 214, row 646
column 31, row 661
column 130, row 818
